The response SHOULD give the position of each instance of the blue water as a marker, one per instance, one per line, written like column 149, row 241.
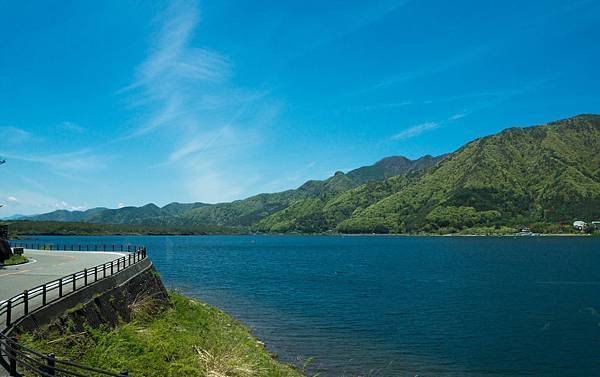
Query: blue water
column 400, row 306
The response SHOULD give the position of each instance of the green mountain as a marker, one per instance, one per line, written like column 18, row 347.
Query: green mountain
column 248, row 212
column 546, row 174
column 150, row 214
column 543, row 174
column 244, row 212
column 64, row 215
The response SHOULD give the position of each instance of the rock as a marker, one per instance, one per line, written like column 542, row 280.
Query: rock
column 5, row 250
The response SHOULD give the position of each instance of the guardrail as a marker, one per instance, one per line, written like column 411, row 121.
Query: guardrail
column 78, row 247
column 14, row 356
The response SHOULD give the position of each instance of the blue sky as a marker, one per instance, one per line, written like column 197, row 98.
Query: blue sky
column 113, row 103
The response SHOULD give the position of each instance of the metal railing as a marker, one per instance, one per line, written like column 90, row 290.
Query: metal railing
column 14, row 356
column 76, row 247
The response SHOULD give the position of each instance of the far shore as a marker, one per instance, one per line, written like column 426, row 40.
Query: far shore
column 25, row 236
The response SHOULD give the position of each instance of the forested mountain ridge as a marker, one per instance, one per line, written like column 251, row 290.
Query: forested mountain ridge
column 149, row 214
column 244, row 212
column 248, row 212
column 548, row 173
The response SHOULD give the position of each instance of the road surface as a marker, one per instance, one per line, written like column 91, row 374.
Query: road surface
column 45, row 266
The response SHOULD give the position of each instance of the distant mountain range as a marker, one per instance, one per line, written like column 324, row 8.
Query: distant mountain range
column 244, row 212
column 542, row 174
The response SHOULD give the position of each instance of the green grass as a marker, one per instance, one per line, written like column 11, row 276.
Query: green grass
column 15, row 259
column 189, row 339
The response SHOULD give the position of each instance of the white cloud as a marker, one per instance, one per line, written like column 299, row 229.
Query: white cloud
column 458, row 116
column 34, row 202
column 415, row 130
column 120, row 205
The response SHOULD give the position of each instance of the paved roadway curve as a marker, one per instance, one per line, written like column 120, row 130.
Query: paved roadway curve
column 46, row 266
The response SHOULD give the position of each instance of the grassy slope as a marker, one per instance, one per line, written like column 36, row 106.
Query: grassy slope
column 190, row 339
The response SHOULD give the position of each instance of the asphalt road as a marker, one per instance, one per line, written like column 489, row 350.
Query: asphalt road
column 45, row 266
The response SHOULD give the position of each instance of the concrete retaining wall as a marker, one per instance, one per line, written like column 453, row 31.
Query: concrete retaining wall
column 107, row 301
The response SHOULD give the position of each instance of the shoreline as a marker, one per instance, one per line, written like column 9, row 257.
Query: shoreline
column 27, row 236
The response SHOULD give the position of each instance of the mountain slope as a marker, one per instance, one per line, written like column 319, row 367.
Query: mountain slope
column 244, row 212
column 548, row 173
column 252, row 210
column 149, row 214
column 64, row 215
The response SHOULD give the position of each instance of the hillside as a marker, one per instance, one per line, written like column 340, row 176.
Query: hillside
column 244, row 212
column 249, row 211
column 150, row 214
column 547, row 174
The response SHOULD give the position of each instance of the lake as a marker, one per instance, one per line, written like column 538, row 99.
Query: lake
column 399, row 306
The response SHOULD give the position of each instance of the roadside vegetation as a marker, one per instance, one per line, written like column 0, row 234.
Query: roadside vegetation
column 15, row 259
column 189, row 339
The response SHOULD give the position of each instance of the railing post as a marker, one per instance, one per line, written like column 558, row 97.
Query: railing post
column 104, row 270
column 12, row 356
column 74, row 283
column 129, row 259
column 85, row 277
column 111, row 268
column 8, row 312
column 26, row 302
column 79, row 247
column 103, row 247
column 51, row 364
column 44, row 295
column 60, row 284
column 121, row 247
column 95, row 274
column 113, row 246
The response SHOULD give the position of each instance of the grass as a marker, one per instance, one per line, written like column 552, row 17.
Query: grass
column 15, row 259
column 189, row 339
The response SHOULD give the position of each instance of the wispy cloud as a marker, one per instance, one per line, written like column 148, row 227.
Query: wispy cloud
column 415, row 130
column 428, row 126
column 433, row 68
column 14, row 135
column 30, row 202
column 81, row 160
column 193, row 105
column 170, row 78
column 72, row 127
